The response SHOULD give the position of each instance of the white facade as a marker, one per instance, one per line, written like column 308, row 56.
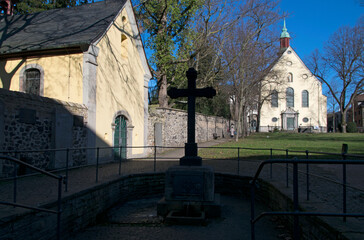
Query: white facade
column 294, row 99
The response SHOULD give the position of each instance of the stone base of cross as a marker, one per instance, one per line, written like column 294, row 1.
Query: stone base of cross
column 190, row 184
column 191, row 158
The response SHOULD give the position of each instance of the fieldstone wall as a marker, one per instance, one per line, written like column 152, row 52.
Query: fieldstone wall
column 29, row 122
column 168, row 127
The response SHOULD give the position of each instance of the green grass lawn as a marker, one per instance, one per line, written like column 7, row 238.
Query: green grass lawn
column 326, row 142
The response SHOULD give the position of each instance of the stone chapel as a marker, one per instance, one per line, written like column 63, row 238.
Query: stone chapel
column 293, row 95
column 91, row 55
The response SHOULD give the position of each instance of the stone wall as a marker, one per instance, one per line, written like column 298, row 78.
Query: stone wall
column 29, row 122
column 168, row 127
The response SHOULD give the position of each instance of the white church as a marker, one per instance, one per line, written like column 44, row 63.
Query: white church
column 293, row 95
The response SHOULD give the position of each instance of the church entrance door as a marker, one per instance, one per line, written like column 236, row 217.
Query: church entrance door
column 290, row 123
column 120, row 138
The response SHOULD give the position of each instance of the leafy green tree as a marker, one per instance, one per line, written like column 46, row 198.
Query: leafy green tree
column 33, row 6
column 167, row 26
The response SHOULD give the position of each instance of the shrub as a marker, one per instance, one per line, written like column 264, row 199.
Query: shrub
column 351, row 127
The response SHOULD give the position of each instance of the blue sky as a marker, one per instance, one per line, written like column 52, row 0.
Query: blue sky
column 311, row 22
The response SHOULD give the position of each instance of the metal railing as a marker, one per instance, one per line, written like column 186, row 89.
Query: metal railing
column 296, row 212
column 157, row 160
column 15, row 204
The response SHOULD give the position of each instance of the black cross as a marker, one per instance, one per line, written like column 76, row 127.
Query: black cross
column 191, row 158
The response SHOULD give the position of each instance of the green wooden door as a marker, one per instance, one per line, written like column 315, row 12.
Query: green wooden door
column 120, row 137
column 290, row 123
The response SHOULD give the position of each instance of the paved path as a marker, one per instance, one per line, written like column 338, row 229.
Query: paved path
column 138, row 220
column 325, row 195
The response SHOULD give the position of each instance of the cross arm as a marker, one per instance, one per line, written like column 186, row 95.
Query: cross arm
column 208, row 92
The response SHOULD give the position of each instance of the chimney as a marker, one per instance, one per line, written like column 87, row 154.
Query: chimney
column 284, row 39
column 7, row 6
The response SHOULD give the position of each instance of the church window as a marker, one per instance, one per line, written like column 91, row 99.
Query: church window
column 290, row 97
column 32, row 81
column 290, row 77
column 305, row 98
column 305, row 120
column 274, row 119
column 274, row 100
column 124, row 46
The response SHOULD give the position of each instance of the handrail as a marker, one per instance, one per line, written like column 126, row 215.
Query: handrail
column 174, row 147
column 296, row 212
column 12, row 159
column 59, row 199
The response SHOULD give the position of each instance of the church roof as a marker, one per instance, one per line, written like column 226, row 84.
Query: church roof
column 58, row 28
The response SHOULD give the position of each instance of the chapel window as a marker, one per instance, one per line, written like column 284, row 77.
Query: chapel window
column 290, row 97
column 274, row 100
column 124, row 46
column 290, row 77
column 305, row 98
column 32, row 81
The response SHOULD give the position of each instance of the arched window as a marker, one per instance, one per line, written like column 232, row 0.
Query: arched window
column 290, row 97
column 32, row 81
column 305, row 98
column 290, row 77
column 124, row 46
column 274, row 100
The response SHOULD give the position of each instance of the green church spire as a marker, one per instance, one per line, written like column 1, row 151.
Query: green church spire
column 284, row 33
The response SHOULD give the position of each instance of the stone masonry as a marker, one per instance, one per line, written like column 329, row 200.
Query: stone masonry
column 168, row 127
column 28, row 122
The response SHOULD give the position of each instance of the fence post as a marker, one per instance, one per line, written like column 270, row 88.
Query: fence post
column 120, row 149
column 59, row 208
column 15, row 178
column 271, row 165
column 296, row 230
column 344, row 151
column 155, row 159
column 238, row 160
column 286, row 168
column 307, row 179
column 252, row 211
column 66, row 180
column 97, row 164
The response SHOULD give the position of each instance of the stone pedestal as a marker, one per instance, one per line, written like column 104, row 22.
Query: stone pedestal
column 191, row 188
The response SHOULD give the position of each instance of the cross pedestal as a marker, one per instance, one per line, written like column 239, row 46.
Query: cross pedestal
column 190, row 185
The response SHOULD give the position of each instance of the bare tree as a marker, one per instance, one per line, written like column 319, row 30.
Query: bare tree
column 252, row 43
column 342, row 63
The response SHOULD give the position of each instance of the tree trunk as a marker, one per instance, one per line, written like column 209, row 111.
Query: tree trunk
column 343, row 120
column 162, row 92
column 258, row 117
column 334, row 121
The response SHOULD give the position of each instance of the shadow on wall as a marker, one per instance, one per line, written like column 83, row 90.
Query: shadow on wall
column 29, row 123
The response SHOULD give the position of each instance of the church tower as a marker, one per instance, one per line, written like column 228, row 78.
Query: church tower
column 284, row 39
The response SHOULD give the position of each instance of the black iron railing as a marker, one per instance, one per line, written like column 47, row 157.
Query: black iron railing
column 296, row 212
column 15, row 204
column 157, row 160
